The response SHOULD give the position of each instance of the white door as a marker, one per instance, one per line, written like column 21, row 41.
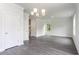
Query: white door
column 14, row 26
column 11, row 31
column 11, row 26
column 2, row 34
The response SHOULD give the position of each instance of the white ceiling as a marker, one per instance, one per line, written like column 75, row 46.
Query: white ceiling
column 52, row 9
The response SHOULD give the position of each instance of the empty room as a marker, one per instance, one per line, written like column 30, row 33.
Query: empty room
column 39, row 28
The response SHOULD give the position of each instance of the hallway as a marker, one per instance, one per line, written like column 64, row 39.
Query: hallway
column 44, row 45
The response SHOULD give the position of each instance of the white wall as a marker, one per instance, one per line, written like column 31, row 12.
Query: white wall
column 37, row 27
column 40, row 28
column 76, row 28
column 11, row 26
column 26, row 26
column 59, row 27
column 33, row 27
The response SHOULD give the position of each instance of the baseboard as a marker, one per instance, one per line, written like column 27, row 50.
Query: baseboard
column 1, row 50
column 40, row 35
column 61, row 36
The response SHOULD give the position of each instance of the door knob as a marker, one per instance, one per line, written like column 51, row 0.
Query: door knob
column 6, row 33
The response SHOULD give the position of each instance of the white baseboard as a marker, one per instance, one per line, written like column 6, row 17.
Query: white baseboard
column 1, row 50
column 60, row 35
column 40, row 35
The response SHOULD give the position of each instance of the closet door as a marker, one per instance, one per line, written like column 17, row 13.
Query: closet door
column 14, row 25
column 11, row 31
column 11, row 26
column 2, row 34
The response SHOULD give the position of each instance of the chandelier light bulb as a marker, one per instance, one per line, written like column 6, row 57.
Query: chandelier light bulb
column 35, row 10
column 37, row 14
column 43, row 12
column 32, row 13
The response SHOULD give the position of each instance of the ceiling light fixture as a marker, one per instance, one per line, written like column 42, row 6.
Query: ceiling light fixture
column 37, row 14
column 43, row 12
column 32, row 13
column 35, row 10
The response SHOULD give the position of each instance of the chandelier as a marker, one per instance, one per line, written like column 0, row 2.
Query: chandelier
column 37, row 12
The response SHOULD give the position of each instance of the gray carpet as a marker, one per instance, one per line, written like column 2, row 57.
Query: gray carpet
column 45, row 45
